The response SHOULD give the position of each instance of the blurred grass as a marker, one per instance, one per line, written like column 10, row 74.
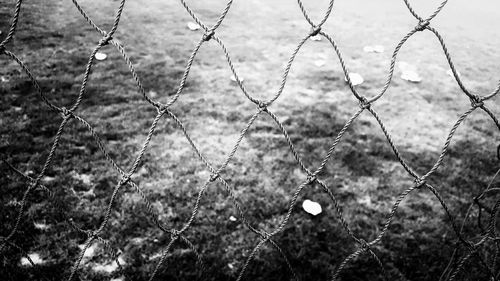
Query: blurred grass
column 363, row 174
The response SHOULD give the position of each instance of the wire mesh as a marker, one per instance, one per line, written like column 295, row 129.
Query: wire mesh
column 464, row 250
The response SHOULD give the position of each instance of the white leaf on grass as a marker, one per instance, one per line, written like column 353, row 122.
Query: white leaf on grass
column 90, row 250
column 232, row 218
column 402, row 65
column 152, row 94
column 234, row 79
column 319, row 63
column 311, row 207
column 48, row 179
column 100, row 56
column 34, row 257
column 193, row 26
column 356, row 79
column 41, row 225
column 316, row 37
column 105, row 268
column 86, row 179
column 109, row 267
column 374, row 49
column 368, row 49
column 411, row 76
column 378, row 49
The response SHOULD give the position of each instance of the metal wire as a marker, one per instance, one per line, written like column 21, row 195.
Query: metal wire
column 457, row 261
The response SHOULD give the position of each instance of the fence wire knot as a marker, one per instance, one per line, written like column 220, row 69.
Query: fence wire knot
column 262, row 105
column 124, row 180
column 105, row 40
column 476, row 101
column 207, row 36
column 92, row 234
column 422, row 25
column 311, row 179
column 315, row 30
column 419, row 182
column 264, row 235
column 175, row 234
column 364, row 103
column 363, row 244
column 65, row 112
column 161, row 108
column 214, row 176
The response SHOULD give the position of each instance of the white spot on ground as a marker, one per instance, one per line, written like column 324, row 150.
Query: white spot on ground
column 89, row 252
column 319, row 63
column 100, row 56
column 409, row 72
column 48, row 179
column 356, row 79
column 34, row 257
column 374, row 49
column 193, row 26
column 316, row 37
column 411, row 76
column 86, row 179
column 41, row 225
column 234, row 79
column 155, row 256
column 108, row 267
column 311, row 207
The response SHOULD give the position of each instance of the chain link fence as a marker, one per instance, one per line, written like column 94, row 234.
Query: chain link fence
column 464, row 248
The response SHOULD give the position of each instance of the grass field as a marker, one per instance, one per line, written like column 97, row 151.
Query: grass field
column 55, row 42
